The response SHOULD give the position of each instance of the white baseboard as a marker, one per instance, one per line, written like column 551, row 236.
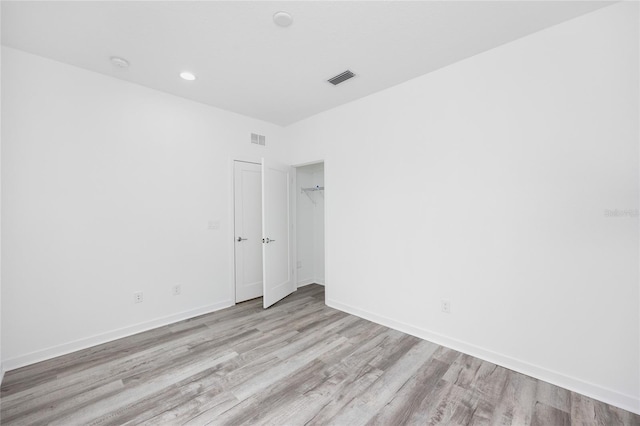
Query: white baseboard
column 1, row 373
column 307, row 281
column 609, row 396
column 76, row 345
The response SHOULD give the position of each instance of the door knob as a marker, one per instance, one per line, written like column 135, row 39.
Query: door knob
column 241, row 239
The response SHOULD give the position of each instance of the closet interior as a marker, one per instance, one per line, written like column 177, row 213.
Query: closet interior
column 310, row 192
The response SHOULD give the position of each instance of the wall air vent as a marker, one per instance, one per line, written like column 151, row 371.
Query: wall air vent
column 343, row 76
column 257, row 139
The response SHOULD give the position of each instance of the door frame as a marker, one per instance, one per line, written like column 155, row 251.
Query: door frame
column 294, row 215
column 295, row 224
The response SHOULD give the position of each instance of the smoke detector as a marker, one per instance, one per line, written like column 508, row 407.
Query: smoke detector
column 282, row 19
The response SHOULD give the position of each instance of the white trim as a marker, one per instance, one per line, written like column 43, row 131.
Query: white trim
column 327, row 227
column 242, row 159
column 76, row 345
column 293, row 211
column 308, row 163
column 1, row 373
column 307, row 281
column 318, row 281
column 231, row 253
column 609, row 396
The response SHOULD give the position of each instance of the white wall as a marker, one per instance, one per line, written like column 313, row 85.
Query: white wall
column 310, row 225
column 108, row 188
column 486, row 183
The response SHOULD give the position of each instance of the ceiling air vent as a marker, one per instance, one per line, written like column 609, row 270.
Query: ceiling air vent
column 343, row 76
column 257, row 139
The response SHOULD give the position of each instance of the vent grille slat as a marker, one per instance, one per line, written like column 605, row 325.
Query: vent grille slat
column 258, row 139
column 343, row 76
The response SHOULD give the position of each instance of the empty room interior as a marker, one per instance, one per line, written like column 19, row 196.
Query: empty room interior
column 320, row 212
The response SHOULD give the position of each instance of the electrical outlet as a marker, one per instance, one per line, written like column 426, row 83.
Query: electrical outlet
column 177, row 289
column 446, row 306
column 137, row 297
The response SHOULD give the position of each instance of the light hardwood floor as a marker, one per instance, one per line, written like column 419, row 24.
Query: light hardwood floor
column 296, row 363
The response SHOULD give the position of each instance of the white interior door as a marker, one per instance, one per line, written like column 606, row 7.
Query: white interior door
column 247, row 184
column 277, row 280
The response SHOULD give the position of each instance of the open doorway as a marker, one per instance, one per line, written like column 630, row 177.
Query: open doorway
column 310, row 235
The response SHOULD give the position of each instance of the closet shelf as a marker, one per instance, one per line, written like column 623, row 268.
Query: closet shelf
column 306, row 191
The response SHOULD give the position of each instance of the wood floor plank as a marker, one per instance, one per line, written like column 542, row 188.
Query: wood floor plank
column 409, row 397
column 71, row 385
column 190, row 408
column 515, row 405
column 130, row 395
column 553, row 396
column 362, row 408
column 276, row 397
column 585, row 410
column 490, row 381
column 283, row 369
column 25, row 376
column 133, row 367
column 296, row 363
column 338, row 391
column 64, row 406
column 544, row 414
column 455, row 405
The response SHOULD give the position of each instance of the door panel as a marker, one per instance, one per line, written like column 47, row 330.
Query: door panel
column 248, row 227
column 276, row 232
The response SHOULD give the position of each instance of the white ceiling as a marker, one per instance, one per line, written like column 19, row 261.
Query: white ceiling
column 247, row 64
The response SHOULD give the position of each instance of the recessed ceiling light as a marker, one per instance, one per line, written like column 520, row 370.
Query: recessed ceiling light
column 186, row 75
column 119, row 62
column 282, row 19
